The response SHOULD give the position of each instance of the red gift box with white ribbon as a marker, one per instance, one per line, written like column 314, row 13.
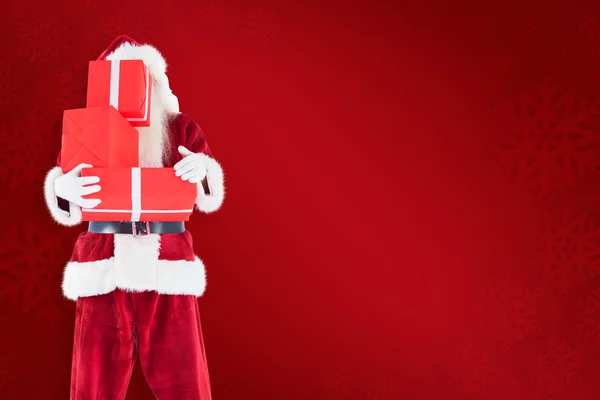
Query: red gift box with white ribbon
column 126, row 85
column 140, row 194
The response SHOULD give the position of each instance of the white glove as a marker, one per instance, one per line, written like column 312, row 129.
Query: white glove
column 71, row 186
column 191, row 168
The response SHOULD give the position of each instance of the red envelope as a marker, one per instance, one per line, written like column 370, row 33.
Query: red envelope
column 125, row 85
column 140, row 194
column 99, row 136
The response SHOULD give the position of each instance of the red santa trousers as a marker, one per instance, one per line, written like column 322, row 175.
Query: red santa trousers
column 112, row 329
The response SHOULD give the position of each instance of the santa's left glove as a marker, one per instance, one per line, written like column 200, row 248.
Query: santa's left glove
column 191, row 168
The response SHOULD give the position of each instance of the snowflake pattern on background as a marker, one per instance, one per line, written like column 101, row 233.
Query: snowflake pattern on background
column 470, row 368
column 217, row 17
column 527, row 27
column 547, row 136
column 481, row 22
column 33, row 270
column 509, row 312
column 38, row 37
column 384, row 388
column 31, row 162
column 263, row 24
column 536, row 151
column 589, row 365
column 554, row 366
column 504, row 66
column 12, row 78
column 567, row 249
column 72, row 84
column 587, row 318
column 110, row 25
column 584, row 38
column 334, row 379
column 17, row 360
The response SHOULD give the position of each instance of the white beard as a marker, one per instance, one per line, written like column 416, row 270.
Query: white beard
column 154, row 141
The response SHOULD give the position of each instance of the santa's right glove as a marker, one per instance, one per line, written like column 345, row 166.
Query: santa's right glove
column 72, row 187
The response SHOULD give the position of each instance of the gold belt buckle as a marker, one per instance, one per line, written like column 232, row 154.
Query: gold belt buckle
column 140, row 229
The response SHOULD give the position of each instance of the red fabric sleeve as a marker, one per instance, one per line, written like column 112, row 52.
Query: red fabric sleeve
column 195, row 140
column 186, row 132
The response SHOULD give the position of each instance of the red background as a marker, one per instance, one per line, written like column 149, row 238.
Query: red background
column 413, row 193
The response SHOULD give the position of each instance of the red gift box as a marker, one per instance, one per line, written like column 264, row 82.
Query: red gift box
column 140, row 194
column 126, row 85
column 99, row 136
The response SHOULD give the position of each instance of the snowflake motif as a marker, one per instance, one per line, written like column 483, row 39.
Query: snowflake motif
column 507, row 392
column 214, row 15
column 5, row 139
column 554, row 366
column 470, row 370
column 503, row 66
column 547, row 136
column 584, row 39
column 39, row 117
column 263, row 24
column 587, row 391
column 568, row 249
column 510, row 313
column 17, row 361
column 33, row 273
column 589, row 364
column 584, row 195
column 110, row 25
column 480, row 23
column 587, row 321
column 527, row 26
column 6, row 31
column 385, row 389
column 56, row 314
column 335, row 379
column 38, row 38
column 11, row 84
column 72, row 84
column 26, row 165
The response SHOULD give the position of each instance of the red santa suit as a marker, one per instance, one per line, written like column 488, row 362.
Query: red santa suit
column 138, row 295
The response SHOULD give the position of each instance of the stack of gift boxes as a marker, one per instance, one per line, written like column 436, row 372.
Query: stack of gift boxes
column 104, row 135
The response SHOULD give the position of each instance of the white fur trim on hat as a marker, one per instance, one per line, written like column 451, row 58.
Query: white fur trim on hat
column 154, row 60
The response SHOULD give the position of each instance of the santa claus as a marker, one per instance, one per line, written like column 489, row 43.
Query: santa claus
column 136, row 284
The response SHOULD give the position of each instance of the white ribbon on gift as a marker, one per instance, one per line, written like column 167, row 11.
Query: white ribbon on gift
column 125, row 211
column 136, row 194
column 115, row 73
column 136, row 210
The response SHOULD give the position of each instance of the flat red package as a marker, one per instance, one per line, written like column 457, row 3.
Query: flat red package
column 140, row 194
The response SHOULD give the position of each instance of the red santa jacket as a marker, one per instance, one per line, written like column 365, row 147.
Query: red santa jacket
column 163, row 263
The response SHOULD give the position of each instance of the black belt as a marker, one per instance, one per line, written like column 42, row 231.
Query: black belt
column 136, row 228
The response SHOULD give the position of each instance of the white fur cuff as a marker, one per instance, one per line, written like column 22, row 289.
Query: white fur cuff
column 214, row 175
column 71, row 218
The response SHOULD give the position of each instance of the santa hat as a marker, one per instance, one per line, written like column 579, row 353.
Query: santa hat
column 125, row 48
